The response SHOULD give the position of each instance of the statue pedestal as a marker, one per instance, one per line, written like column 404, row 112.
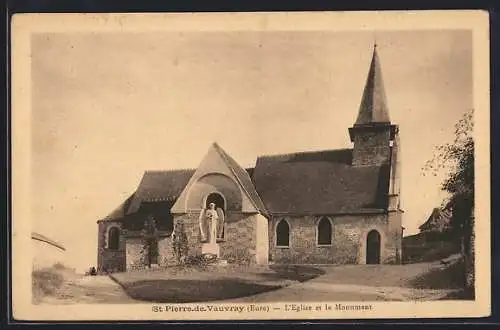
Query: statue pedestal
column 211, row 247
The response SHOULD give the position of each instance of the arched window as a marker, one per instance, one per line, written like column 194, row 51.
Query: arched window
column 324, row 232
column 114, row 238
column 282, row 233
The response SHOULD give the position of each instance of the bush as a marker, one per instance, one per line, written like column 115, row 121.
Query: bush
column 59, row 265
column 429, row 251
column 45, row 282
column 240, row 257
column 179, row 243
column 449, row 277
column 200, row 260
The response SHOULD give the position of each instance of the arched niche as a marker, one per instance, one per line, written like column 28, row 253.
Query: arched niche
column 215, row 183
column 217, row 198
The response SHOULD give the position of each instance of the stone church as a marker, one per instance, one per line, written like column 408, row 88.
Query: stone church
column 339, row 206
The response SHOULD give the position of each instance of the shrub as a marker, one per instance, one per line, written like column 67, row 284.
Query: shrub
column 200, row 260
column 45, row 282
column 240, row 257
column 59, row 265
column 429, row 251
column 449, row 277
column 179, row 243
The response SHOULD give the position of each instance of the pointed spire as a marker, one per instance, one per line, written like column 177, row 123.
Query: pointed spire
column 373, row 108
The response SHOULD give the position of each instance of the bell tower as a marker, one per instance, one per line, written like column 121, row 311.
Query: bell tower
column 373, row 132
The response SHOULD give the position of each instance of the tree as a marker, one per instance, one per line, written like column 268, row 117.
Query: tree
column 149, row 236
column 457, row 159
column 179, row 242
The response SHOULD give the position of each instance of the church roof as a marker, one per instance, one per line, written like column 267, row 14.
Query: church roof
column 121, row 210
column 318, row 182
column 440, row 217
column 321, row 182
column 158, row 186
column 244, row 179
column 373, row 108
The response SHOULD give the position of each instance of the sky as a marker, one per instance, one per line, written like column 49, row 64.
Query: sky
column 108, row 106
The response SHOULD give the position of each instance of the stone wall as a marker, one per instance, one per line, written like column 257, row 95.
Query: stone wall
column 348, row 240
column 371, row 148
column 107, row 259
column 395, row 237
column 134, row 248
column 262, row 232
column 133, row 252
column 240, row 236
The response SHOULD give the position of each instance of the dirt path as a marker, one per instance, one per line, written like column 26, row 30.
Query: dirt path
column 79, row 289
column 358, row 283
column 339, row 283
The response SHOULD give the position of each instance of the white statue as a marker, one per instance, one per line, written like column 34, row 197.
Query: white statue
column 211, row 223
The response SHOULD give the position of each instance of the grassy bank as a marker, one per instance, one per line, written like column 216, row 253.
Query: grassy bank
column 46, row 281
column 429, row 246
column 191, row 284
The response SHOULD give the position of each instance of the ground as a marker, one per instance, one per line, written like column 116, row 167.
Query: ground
column 419, row 281
column 64, row 286
column 192, row 284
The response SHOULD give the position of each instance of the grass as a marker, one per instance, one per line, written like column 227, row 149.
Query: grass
column 192, row 284
column 374, row 275
column 61, row 285
column 464, row 294
column 450, row 277
column 45, row 282
column 186, row 291
column 429, row 246
column 297, row 273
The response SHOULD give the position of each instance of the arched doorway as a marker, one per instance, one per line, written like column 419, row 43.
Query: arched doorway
column 283, row 234
column 373, row 247
column 217, row 199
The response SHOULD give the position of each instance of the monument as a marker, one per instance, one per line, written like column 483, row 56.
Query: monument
column 211, row 228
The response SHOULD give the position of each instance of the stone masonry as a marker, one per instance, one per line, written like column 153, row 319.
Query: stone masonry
column 348, row 240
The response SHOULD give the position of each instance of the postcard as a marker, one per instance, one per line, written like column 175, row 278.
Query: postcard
column 250, row 166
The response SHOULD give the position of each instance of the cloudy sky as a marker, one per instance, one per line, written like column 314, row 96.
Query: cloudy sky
column 108, row 106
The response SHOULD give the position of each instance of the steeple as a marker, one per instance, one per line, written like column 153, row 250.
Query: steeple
column 372, row 131
column 373, row 107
